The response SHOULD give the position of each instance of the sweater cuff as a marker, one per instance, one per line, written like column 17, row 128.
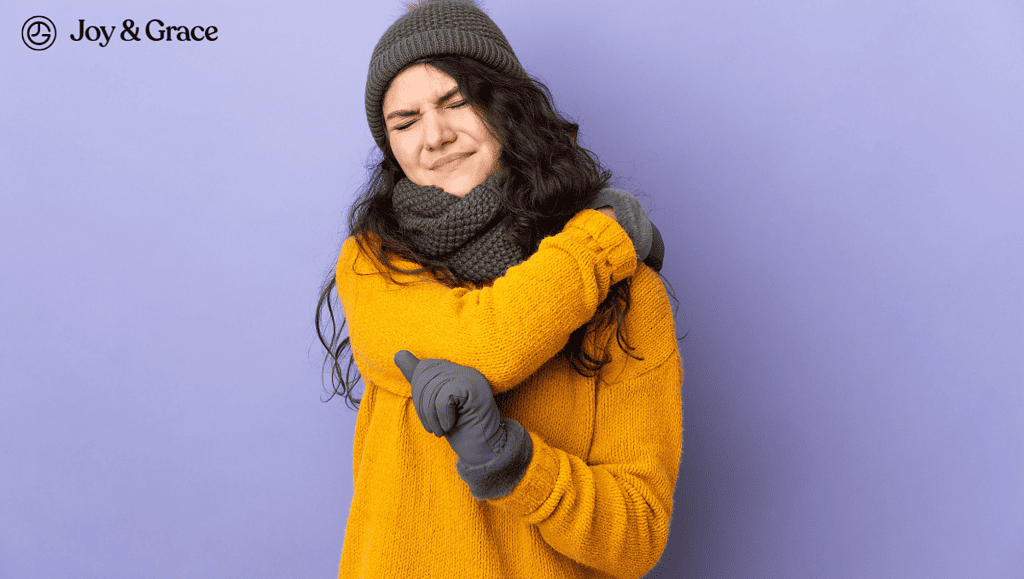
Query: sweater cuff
column 610, row 239
column 630, row 215
column 498, row 477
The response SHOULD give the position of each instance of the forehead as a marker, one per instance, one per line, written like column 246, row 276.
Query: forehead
column 418, row 84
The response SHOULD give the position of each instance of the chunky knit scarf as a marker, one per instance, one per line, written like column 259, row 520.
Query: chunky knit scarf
column 467, row 234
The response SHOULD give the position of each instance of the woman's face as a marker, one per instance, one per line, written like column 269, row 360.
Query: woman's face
column 435, row 134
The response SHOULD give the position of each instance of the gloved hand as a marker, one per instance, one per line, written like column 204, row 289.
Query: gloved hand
column 647, row 242
column 456, row 402
column 657, row 255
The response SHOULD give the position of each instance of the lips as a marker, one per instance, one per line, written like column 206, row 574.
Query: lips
column 448, row 159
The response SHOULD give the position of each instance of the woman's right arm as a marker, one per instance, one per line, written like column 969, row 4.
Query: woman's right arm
column 506, row 330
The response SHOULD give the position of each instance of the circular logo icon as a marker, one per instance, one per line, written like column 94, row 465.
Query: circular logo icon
column 38, row 33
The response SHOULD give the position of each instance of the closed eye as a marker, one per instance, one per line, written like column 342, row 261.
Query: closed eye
column 410, row 123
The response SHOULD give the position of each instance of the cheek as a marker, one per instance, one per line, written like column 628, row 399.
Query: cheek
column 403, row 155
column 485, row 141
column 494, row 149
column 492, row 143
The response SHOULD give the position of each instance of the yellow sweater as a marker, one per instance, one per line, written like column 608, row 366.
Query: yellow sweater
column 596, row 499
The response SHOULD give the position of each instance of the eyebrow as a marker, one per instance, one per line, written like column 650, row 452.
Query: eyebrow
column 410, row 113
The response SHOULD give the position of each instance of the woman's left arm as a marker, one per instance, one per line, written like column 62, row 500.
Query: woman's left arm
column 613, row 510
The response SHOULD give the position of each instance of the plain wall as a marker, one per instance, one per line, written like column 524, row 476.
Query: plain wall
column 840, row 186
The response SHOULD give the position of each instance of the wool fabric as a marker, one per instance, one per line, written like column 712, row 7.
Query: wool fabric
column 432, row 28
column 467, row 233
column 630, row 215
column 596, row 498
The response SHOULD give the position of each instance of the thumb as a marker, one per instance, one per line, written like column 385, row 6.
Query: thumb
column 406, row 362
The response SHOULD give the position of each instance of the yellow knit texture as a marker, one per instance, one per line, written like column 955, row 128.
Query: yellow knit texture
column 596, row 499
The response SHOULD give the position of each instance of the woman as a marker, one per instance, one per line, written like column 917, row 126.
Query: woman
column 494, row 296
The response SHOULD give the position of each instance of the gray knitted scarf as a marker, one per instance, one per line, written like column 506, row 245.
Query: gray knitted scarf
column 466, row 234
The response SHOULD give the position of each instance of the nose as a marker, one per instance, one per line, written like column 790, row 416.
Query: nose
column 437, row 131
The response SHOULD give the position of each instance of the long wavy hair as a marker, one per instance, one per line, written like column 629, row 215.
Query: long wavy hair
column 547, row 176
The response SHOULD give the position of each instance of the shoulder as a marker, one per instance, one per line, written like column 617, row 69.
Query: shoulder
column 361, row 275
column 649, row 328
column 650, row 309
column 356, row 259
column 361, row 256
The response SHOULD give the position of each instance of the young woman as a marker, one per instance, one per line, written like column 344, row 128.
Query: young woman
column 499, row 295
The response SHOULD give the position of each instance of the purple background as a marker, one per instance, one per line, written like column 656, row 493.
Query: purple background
column 840, row 186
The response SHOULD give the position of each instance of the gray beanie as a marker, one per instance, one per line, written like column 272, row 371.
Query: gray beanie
column 433, row 27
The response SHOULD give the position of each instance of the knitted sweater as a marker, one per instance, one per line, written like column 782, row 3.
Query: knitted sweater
column 596, row 498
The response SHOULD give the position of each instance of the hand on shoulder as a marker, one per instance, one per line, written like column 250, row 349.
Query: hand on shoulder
column 607, row 210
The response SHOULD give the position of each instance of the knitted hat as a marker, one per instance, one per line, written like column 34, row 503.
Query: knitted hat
column 433, row 27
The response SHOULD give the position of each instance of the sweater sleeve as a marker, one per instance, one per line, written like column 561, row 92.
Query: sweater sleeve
column 506, row 330
column 613, row 510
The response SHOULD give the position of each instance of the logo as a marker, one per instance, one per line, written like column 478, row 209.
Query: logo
column 38, row 33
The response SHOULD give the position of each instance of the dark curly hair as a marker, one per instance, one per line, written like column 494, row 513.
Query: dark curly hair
column 548, row 178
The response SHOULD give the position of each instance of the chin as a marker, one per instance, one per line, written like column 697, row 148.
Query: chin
column 460, row 187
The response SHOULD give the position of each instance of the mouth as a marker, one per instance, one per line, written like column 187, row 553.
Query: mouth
column 448, row 159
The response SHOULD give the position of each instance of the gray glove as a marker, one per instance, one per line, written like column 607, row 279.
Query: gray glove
column 632, row 217
column 456, row 402
column 657, row 254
